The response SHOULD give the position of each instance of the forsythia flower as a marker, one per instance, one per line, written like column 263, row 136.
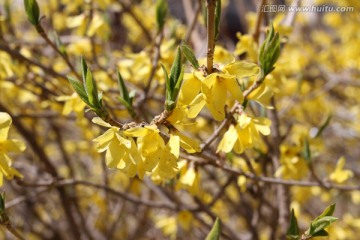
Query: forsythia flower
column 245, row 134
column 72, row 103
column 340, row 175
column 292, row 165
column 148, row 154
column 8, row 145
column 121, row 151
column 214, row 87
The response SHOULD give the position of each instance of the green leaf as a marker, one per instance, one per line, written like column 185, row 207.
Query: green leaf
column 32, row 11
column 327, row 212
column 215, row 231
column 321, row 224
column 167, row 82
column 321, row 233
column 306, row 153
column 269, row 51
column 217, row 18
column 176, row 90
column 2, row 201
column 293, row 230
column 123, row 90
column 190, row 56
column 84, row 69
column 79, row 89
column 161, row 11
column 91, row 90
column 323, row 126
column 175, row 69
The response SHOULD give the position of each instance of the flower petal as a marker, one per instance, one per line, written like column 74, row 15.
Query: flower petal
column 5, row 122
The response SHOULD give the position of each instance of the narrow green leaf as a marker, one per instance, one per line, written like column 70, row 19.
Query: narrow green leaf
column 59, row 44
column 215, row 231
column 91, row 90
column 321, row 224
column 176, row 90
column 323, row 126
column 190, row 56
column 2, row 201
column 84, row 69
column 161, row 11
column 79, row 89
column 327, row 212
column 293, row 230
column 123, row 89
column 306, row 153
column 217, row 18
column 175, row 69
column 32, row 11
column 167, row 80
column 269, row 51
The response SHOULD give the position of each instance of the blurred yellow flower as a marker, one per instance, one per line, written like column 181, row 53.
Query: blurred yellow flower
column 6, row 146
column 340, row 175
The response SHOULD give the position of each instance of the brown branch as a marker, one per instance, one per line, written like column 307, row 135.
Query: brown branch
column 260, row 14
column 210, row 34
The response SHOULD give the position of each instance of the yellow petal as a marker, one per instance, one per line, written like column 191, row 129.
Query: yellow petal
column 174, row 145
column 228, row 141
column 196, row 106
column 15, row 146
column 5, row 122
column 262, row 125
column 189, row 90
column 188, row 178
column 243, row 121
column 242, row 69
column 262, row 95
column 114, row 154
column 100, row 122
column 234, row 88
column 215, row 100
column 340, row 175
column 210, row 80
column 221, row 55
column 187, row 143
column 96, row 22
column 104, row 140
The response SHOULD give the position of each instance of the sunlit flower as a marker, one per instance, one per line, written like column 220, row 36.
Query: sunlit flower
column 340, row 175
column 198, row 90
column 245, row 134
column 7, row 146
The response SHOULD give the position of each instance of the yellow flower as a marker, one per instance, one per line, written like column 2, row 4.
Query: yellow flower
column 246, row 45
column 121, row 151
column 8, row 145
column 292, row 165
column 156, row 157
column 185, row 219
column 189, row 179
column 341, row 175
column 245, row 134
column 212, row 90
column 72, row 103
